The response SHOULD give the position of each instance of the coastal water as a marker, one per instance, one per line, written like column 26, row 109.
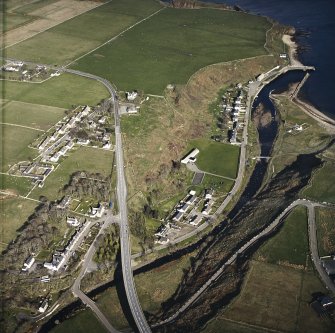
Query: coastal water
column 315, row 24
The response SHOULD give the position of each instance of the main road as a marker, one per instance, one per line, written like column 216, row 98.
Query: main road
column 127, row 272
column 86, row 262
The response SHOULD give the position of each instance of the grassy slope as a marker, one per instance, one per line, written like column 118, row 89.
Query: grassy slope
column 13, row 213
column 288, row 145
column 71, row 39
column 15, row 147
column 174, row 44
column 291, row 243
column 33, row 115
column 81, row 323
column 63, row 91
column 17, row 185
column 82, row 159
column 325, row 220
column 323, row 184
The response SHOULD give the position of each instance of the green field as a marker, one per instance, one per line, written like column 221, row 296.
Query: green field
column 174, row 44
column 224, row 325
column 18, row 185
column 291, row 243
column 325, row 226
column 322, row 185
column 75, row 37
column 62, row 91
column 83, row 159
column 15, row 145
column 277, row 298
column 217, row 158
column 219, row 184
column 84, row 322
column 14, row 212
column 289, row 145
column 32, row 115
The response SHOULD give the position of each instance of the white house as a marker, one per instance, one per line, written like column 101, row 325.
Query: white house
column 102, row 120
column 55, row 157
column 11, row 69
column 28, row 264
column 184, row 208
column 57, row 261
column 107, row 145
column 44, row 143
column 55, row 74
column 65, row 202
column 83, row 142
column 43, row 306
column 72, row 221
column 191, row 156
column 177, row 216
column 297, row 127
column 97, row 211
column 131, row 109
column 86, row 110
column 131, row 95
column 63, row 129
column 45, row 278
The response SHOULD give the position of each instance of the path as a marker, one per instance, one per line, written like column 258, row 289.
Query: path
column 86, row 262
column 115, row 37
column 193, row 167
column 23, row 126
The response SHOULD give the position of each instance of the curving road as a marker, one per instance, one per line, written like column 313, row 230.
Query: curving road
column 313, row 248
column 127, row 272
column 86, row 262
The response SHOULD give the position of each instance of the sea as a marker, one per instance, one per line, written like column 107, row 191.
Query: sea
column 314, row 21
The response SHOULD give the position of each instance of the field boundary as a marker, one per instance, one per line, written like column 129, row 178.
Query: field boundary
column 115, row 37
column 23, row 126
column 48, row 106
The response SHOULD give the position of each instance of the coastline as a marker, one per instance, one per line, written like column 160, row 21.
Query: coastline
column 292, row 49
column 307, row 107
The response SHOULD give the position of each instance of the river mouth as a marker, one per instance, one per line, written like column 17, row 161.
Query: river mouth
column 267, row 137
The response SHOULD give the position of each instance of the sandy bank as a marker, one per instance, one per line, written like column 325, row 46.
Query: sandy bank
column 292, row 50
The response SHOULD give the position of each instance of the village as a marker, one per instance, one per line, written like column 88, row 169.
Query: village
column 83, row 126
column 20, row 71
column 191, row 211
